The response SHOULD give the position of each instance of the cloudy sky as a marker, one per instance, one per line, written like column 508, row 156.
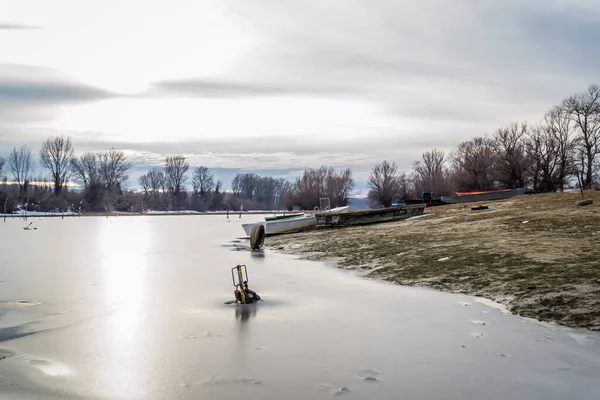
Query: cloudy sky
column 277, row 86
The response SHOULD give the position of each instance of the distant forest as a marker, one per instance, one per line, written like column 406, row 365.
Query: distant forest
column 559, row 151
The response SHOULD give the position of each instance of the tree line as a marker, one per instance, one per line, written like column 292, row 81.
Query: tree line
column 102, row 179
column 560, row 150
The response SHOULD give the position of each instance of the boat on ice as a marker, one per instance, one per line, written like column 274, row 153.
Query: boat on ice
column 284, row 224
column 465, row 197
column 289, row 223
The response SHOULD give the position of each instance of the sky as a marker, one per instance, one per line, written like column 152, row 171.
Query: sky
column 274, row 87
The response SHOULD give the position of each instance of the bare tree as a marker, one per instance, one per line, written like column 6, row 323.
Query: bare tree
column 561, row 127
column 265, row 192
column 2, row 162
column 56, row 154
column 384, row 183
column 245, row 185
column 541, row 147
column 202, row 182
column 176, row 168
column 144, row 182
column 86, row 170
column 21, row 166
column 157, row 180
column 474, row 163
column 153, row 184
column 339, row 186
column 584, row 110
column 406, row 186
column 430, row 173
column 259, row 191
column 282, row 188
column 511, row 167
column 321, row 182
column 217, row 197
column 113, row 168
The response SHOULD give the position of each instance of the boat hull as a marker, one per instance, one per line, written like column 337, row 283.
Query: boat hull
column 283, row 226
column 482, row 196
column 279, row 217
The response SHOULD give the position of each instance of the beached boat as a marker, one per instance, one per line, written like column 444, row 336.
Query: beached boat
column 483, row 192
column 284, row 225
column 491, row 195
column 278, row 217
column 338, row 209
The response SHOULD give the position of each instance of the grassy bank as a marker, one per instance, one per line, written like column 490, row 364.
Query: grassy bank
column 537, row 254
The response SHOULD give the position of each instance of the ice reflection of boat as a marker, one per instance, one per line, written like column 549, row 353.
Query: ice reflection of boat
column 296, row 223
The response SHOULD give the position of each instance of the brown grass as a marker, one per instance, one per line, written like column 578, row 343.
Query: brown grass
column 547, row 268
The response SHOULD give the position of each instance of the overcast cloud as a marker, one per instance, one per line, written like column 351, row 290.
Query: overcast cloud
column 283, row 85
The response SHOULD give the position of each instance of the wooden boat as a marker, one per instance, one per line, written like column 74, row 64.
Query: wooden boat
column 370, row 216
column 492, row 195
column 482, row 192
column 284, row 225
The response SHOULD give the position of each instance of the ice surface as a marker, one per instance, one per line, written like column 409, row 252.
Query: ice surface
column 134, row 308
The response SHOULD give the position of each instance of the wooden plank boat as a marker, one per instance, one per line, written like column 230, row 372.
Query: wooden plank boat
column 370, row 216
column 482, row 192
column 492, row 195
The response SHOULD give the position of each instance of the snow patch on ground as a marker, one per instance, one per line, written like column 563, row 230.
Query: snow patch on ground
column 418, row 216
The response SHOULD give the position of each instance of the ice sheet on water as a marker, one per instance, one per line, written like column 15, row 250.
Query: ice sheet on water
column 581, row 339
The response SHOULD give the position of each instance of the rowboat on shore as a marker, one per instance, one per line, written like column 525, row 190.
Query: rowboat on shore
column 292, row 224
column 482, row 192
column 490, row 195
column 280, row 217
column 338, row 209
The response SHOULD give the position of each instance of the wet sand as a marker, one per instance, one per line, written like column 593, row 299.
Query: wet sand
column 132, row 308
column 537, row 254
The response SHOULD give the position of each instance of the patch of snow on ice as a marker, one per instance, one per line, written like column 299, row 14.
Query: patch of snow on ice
column 51, row 368
column 581, row 339
column 492, row 304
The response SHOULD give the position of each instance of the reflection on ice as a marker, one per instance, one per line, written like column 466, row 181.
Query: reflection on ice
column 244, row 312
column 124, row 247
column 51, row 368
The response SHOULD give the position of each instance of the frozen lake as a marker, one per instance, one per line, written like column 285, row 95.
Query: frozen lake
column 132, row 308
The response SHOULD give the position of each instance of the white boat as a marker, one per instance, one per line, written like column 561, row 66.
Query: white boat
column 281, row 226
column 338, row 209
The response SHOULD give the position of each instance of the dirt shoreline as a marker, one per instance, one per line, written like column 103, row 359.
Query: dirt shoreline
column 539, row 255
